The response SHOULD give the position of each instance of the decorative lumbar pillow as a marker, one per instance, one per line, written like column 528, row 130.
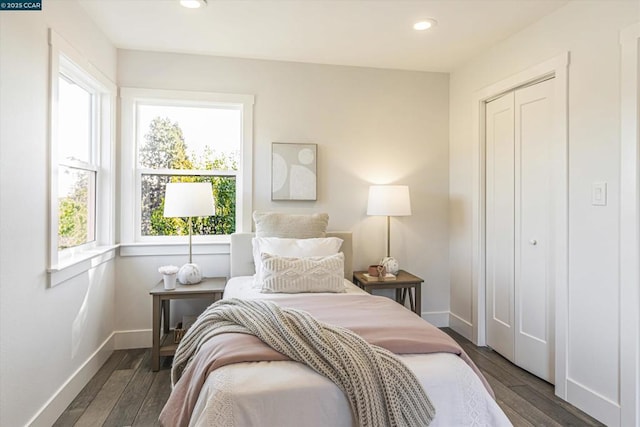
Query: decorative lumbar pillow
column 295, row 275
column 299, row 248
column 296, row 226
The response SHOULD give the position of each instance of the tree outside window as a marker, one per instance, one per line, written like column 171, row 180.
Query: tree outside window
column 187, row 144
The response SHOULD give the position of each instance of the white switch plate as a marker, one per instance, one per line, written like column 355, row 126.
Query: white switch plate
column 599, row 194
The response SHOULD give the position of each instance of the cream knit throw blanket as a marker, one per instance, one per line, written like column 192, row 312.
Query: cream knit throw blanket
column 381, row 390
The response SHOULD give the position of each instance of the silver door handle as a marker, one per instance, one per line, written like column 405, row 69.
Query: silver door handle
column 533, row 242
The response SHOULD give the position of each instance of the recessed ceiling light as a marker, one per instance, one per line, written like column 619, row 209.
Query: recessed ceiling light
column 424, row 25
column 193, row 4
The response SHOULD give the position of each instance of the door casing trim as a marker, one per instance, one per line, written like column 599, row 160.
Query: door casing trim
column 558, row 68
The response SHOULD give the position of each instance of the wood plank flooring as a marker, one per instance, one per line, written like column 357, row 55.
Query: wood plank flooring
column 526, row 399
column 125, row 392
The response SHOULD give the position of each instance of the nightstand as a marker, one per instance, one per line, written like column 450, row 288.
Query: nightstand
column 404, row 284
column 163, row 342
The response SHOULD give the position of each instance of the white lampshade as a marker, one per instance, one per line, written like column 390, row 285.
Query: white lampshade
column 193, row 4
column 389, row 200
column 187, row 199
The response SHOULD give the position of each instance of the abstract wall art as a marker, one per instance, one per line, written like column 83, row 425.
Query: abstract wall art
column 293, row 171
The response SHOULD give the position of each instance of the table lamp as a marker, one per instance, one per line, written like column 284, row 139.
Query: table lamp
column 188, row 199
column 389, row 200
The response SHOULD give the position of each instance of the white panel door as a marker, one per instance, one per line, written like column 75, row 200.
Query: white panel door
column 519, row 265
column 534, row 303
column 500, row 216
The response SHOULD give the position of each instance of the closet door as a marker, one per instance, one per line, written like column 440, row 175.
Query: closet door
column 519, row 263
column 534, row 291
column 500, row 217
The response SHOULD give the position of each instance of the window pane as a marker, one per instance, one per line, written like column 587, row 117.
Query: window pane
column 154, row 223
column 178, row 137
column 74, row 122
column 76, row 207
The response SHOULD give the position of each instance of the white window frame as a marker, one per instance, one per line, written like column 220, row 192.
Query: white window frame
column 131, row 174
column 68, row 70
column 67, row 263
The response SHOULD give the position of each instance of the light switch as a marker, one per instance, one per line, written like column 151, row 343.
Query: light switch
column 599, row 194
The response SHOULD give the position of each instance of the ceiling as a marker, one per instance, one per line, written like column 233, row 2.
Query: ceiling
column 367, row 33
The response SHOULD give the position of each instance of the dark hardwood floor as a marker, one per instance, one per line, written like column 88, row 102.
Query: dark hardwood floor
column 125, row 392
column 526, row 399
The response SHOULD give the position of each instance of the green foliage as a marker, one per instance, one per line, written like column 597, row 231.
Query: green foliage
column 73, row 215
column 165, row 147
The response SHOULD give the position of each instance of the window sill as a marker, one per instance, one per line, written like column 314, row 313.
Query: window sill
column 220, row 247
column 80, row 263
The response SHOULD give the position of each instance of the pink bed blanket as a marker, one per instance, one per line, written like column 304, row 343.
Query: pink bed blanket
column 379, row 320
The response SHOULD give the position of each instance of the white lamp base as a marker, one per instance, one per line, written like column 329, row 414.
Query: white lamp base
column 189, row 274
column 390, row 264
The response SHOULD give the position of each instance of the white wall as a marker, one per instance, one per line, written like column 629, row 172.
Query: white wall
column 46, row 334
column 589, row 30
column 371, row 126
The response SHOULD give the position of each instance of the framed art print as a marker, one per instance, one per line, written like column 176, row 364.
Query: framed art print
column 293, row 171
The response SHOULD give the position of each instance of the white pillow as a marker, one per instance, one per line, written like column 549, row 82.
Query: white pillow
column 295, row 275
column 298, row 248
column 297, row 226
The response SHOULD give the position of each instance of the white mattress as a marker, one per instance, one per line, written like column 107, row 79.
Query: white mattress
column 287, row 393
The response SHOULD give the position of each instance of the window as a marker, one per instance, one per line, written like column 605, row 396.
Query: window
column 77, row 165
column 175, row 136
column 81, row 145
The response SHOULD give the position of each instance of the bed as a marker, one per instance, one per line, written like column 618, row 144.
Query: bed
column 287, row 393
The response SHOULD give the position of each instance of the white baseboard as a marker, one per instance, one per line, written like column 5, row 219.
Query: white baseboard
column 139, row 338
column 461, row 326
column 594, row 404
column 50, row 411
column 436, row 318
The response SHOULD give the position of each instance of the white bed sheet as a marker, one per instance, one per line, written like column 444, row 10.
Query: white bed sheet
column 289, row 394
